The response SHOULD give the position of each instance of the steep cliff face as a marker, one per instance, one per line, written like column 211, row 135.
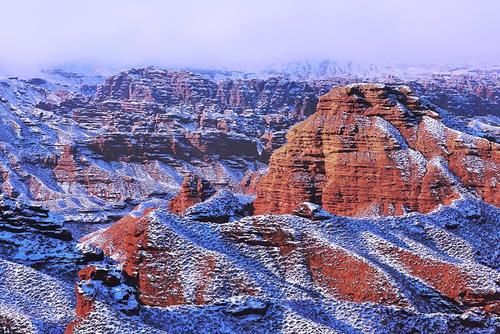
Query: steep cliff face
column 90, row 156
column 172, row 88
column 137, row 134
column 377, row 149
column 18, row 217
column 131, row 138
column 170, row 115
column 193, row 190
column 72, row 153
column 189, row 118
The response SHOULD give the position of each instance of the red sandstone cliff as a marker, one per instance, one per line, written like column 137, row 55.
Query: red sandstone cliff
column 376, row 149
column 193, row 190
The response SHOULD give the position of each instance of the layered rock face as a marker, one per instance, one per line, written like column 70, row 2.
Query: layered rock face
column 377, row 149
column 157, row 259
column 172, row 88
column 101, row 284
column 167, row 115
column 138, row 134
column 193, row 190
column 30, row 235
column 94, row 152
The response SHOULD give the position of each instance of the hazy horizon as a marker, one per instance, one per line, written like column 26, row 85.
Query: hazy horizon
column 245, row 35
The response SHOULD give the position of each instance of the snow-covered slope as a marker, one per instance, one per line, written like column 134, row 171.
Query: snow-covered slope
column 32, row 302
column 424, row 273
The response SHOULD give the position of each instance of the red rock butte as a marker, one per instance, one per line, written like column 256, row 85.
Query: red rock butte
column 377, row 150
column 193, row 190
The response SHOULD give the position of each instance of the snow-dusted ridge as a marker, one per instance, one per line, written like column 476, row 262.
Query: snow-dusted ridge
column 460, row 236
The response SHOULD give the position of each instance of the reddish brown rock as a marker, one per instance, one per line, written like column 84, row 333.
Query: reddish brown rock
column 66, row 170
column 84, row 304
column 265, row 233
column 158, row 260
column 98, row 286
column 174, row 262
column 73, row 171
column 375, row 149
column 193, row 190
column 348, row 277
column 250, row 182
column 449, row 279
column 340, row 273
column 312, row 211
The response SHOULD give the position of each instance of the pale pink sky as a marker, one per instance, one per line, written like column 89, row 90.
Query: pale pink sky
column 245, row 34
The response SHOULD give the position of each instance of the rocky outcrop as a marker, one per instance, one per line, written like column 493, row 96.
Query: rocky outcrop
column 75, row 148
column 105, row 284
column 222, row 207
column 32, row 236
column 154, row 255
column 193, row 190
column 377, row 149
column 90, row 153
column 66, row 170
column 312, row 211
column 180, row 87
column 83, row 151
